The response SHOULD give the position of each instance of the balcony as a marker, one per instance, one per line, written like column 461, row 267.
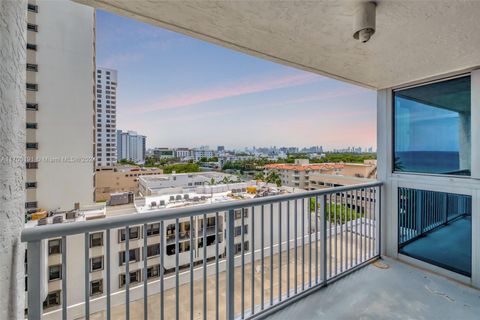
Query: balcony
column 297, row 243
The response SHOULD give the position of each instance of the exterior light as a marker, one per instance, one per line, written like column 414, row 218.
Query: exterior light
column 364, row 21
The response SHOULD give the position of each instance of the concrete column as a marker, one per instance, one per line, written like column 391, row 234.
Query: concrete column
column 13, row 21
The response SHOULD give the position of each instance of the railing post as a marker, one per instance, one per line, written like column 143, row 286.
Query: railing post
column 323, row 252
column 230, row 294
column 378, row 219
column 36, row 275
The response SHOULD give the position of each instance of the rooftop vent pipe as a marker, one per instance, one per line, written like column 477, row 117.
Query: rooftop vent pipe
column 364, row 21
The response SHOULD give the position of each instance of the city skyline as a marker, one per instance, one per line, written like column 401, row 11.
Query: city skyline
column 180, row 91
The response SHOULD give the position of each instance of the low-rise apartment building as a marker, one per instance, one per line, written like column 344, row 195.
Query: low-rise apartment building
column 189, row 233
column 119, row 179
column 297, row 174
column 300, row 173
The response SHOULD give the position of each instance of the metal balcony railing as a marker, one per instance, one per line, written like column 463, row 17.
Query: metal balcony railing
column 297, row 243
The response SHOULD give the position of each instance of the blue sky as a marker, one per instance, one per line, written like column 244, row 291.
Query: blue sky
column 181, row 91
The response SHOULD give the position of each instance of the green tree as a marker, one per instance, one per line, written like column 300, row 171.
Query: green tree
column 181, row 168
column 336, row 213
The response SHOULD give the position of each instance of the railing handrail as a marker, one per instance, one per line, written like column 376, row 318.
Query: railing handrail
column 79, row 227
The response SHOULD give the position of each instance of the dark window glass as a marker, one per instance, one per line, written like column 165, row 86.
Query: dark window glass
column 432, row 128
column 31, row 46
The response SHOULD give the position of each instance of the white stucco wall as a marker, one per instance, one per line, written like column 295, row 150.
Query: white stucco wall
column 13, row 16
column 65, row 96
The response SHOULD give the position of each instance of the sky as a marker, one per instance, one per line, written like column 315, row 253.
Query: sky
column 184, row 92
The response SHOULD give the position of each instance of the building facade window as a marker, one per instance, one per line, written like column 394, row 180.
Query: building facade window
column 32, row 27
column 32, row 8
column 32, row 125
column 432, row 128
column 134, row 233
column 55, row 272
column 135, row 277
column 30, row 204
column 96, row 239
column 32, row 145
column 153, row 250
column 54, row 246
column 153, row 271
column 53, row 299
column 32, row 106
column 30, row 185
column 32, row 67
column 31, row 46
column 96, row 264
column 134, row 256
column 96, row 287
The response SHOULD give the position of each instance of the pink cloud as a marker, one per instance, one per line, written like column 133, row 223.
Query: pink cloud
column 211, row 94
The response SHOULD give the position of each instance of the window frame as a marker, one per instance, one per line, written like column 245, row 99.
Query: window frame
column 392, row 132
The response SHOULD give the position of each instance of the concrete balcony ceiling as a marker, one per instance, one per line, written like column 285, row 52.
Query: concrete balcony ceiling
column 413, row 40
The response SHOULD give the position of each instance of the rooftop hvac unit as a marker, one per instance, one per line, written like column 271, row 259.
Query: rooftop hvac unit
column 162, row 202
column 153, row 204
column 58, row 219
column 71, row 215
column 42, row 222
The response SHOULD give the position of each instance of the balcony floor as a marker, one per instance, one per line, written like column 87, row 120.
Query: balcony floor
column 399, row 292
column 449, row 246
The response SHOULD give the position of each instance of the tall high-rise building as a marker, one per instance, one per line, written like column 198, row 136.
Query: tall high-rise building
column 106, row 120
column 131, row 146
column 60, row 105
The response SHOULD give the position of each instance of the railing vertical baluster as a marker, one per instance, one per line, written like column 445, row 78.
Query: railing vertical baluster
column 192, row 232
column 204, row 266
column 303, row 244
column 351, row 228
column 295, row 222
column 316, row 239
column 262, row 226
column 309, row 243
column 336, row 232
column 357, row 214
column 217, row 225
column 177, row 270
column 323, row 254
column 330, row 251
column 379, row 221
column 361, row 224
column 341, row 231
column 127, row 272
column 145, row 273
column 370, row 226
column 271, row 254
column 230, row 292
column 162, row 270
column 108, row 275
column 242, row 249
column 64, row 278
column 280, row 251
column 87, row 276
column 252, row 261
column 288, row 248
column 36, row 270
